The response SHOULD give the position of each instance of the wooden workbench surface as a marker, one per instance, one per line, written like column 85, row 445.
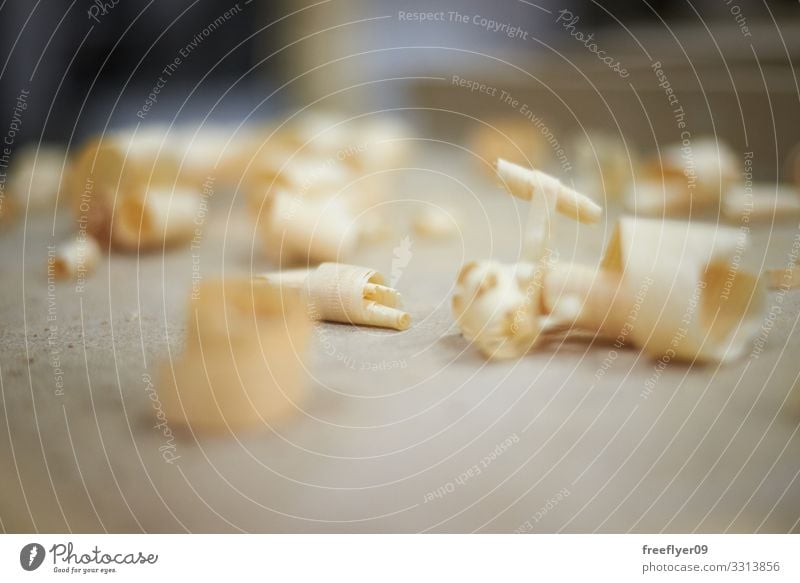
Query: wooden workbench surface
column 406, row 432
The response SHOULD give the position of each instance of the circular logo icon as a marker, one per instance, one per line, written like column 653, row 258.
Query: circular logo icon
column 31, row 556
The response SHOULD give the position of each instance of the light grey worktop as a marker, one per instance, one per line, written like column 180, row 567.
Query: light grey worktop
column 711, row 449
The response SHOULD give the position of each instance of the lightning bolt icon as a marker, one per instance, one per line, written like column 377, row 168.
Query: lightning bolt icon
column 401, row 259
column 34, row 552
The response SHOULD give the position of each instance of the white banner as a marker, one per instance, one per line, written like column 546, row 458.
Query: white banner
column 354, row 558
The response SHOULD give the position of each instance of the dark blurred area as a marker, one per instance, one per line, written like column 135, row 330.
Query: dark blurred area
column 84, row 67
column 91, row 65
column 87, row 64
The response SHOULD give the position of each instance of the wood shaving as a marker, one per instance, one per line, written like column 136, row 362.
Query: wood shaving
column 349, row 294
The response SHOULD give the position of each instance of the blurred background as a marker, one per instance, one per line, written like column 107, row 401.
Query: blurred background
column 89, row 66
column 583, row 89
